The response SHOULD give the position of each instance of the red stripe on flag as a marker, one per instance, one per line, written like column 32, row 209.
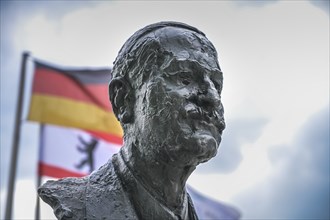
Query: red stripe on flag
column 107, row 137
column 56, row 172
column 49, row 81
column 101, row 91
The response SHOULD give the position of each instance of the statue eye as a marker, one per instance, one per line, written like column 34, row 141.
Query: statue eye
column 185, row 81
column 185, row 78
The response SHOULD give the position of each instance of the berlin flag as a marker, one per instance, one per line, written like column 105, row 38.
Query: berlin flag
column 72, row 152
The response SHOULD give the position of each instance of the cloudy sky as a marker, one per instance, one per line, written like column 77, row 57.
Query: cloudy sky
column 274, row 159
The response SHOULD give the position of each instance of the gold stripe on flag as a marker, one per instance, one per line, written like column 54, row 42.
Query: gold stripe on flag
column 72, row 113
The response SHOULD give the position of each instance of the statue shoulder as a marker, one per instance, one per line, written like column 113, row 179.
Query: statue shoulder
column 66, row 196
column 101, row 195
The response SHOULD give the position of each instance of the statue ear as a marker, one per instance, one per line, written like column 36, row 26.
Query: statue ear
column 122, row 100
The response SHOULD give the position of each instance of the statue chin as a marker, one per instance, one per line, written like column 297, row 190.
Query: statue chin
column 206, row 146
column 198, row 148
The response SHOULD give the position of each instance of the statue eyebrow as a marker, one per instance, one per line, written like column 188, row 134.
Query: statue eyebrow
column 178, row 69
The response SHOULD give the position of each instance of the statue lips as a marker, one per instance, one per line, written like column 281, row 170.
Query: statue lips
column 207, row 127
column 205, row 118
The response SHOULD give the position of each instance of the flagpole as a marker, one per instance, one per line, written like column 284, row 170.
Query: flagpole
column 16, row 137
column 41, row 131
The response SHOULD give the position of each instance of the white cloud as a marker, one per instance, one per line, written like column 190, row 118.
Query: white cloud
column 298, row 186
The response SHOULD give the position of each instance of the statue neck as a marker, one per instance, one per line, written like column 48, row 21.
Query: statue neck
column 165, row 182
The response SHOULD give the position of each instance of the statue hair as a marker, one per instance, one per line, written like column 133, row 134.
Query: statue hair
column 139, row 53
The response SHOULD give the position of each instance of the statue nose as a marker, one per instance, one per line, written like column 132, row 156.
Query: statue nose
column 208, row 95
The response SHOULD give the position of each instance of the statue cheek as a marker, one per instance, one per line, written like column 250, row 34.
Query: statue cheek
column 154, row 99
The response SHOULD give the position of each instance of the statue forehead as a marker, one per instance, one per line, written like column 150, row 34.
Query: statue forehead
column 185, row 44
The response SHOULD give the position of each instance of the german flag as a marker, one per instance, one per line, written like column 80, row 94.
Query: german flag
column 74, row 98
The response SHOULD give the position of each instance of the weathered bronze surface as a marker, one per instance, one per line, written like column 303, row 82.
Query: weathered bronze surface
column 165, row 91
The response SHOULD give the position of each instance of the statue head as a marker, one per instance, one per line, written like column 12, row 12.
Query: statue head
column 166, row 93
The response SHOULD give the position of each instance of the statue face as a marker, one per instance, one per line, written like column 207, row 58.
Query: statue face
column 178, row 110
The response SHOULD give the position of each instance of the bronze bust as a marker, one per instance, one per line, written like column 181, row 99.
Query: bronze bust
column 165, row 91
